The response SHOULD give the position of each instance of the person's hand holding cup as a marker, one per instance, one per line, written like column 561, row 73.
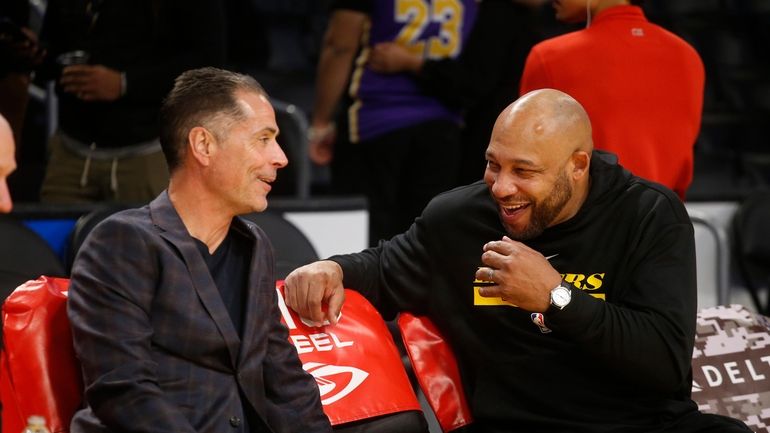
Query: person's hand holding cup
column 89, row 82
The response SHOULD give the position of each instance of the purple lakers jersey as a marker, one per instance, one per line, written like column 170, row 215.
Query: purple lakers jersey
column 433, row 29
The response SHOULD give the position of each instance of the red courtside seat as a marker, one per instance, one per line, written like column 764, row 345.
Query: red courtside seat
column 40, row 374
column 436, row 370
column 363, row 384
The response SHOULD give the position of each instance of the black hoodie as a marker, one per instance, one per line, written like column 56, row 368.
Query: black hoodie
column 618, row 359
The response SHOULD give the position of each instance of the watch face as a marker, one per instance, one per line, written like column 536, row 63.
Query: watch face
column 560, row 297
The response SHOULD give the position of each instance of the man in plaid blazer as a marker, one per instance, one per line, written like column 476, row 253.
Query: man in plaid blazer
column 173, row 305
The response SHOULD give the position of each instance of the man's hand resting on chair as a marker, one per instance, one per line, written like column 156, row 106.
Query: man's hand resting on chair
column 316, row 287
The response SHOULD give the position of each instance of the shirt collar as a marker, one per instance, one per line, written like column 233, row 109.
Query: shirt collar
column 620, row 12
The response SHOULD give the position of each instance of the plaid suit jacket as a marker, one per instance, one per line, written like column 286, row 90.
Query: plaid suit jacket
column 159, row 352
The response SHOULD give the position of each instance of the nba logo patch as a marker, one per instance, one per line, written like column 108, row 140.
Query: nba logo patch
column 539, row 320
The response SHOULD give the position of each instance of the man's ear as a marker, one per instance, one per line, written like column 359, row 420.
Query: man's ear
column 199, row 143
column 581, row 161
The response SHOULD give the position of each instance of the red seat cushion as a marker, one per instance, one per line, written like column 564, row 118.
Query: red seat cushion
column 40, row 374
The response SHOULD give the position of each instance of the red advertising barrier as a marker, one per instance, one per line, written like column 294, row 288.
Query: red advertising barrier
column 355, row 362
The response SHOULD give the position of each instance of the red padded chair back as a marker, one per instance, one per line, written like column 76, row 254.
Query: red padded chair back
column 40, row 374
column 356, row 363
column 436, row 370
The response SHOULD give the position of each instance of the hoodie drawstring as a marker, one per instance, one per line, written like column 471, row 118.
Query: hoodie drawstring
column 86, row 168
column 114, row 175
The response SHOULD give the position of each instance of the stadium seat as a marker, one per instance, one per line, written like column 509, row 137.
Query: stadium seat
column 291, row 247
column 364, row 387
column 83, row 226
column 294, row 179
column 436, row 369
column 712, row 253
column 39, row 374
column 23, row 255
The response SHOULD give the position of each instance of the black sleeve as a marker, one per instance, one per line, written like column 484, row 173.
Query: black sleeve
column 646, row 333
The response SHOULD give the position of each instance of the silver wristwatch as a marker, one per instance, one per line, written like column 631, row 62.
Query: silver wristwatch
column 561, row 296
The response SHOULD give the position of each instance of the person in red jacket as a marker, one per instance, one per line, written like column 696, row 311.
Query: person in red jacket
column 641, row 85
